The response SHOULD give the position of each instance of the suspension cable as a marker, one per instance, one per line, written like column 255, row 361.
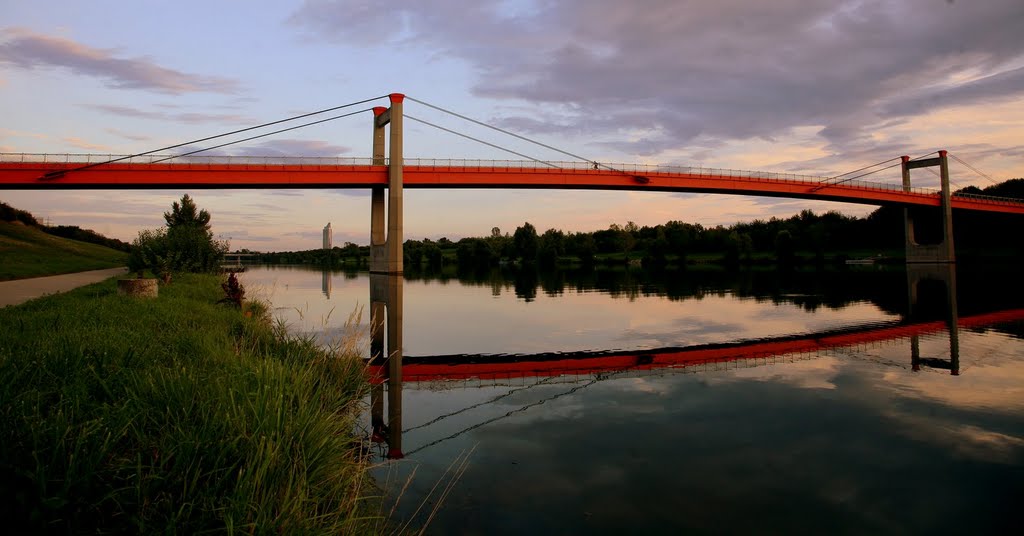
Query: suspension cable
column 190, row 153
column 972, row 168
column 478, row 140
column 56, row 174
column 822, row 185
column 939, row 176
column 861, row 169
column 477, row 405
column 597, row 378
column 507, row 132
column 869, row 173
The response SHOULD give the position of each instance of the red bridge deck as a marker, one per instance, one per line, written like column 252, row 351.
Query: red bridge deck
column 268, row 173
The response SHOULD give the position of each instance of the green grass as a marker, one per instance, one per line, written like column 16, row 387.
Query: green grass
column 29, row 252
column 174, row 415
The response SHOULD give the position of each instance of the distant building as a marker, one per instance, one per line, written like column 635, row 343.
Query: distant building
column 328, row 236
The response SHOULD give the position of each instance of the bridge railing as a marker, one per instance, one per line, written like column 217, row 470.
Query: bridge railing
column 647, row 169
column 93, row 158
column 255, row 162
column 990, row 198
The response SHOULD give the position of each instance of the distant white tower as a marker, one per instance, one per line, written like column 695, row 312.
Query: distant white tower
column 328, row 236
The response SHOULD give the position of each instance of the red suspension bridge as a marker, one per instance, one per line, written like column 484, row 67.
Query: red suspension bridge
column 393, row 173
column 60, row 171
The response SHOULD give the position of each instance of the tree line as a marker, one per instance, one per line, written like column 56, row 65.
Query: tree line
column 805, row 237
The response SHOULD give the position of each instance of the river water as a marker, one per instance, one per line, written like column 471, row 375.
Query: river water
column 861, row 400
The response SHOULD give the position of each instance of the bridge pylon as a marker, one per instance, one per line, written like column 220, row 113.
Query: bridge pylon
column 942, row 252
column 386, row 249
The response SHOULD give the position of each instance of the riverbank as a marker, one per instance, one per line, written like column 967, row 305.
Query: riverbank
column 29, row 252
column 174, row 414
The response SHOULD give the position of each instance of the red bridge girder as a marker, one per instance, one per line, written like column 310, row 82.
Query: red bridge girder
column 130, row 176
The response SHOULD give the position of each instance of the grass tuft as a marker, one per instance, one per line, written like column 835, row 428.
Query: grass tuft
column 175, row 415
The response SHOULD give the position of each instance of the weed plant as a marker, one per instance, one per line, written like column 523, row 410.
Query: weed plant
column 174, row 415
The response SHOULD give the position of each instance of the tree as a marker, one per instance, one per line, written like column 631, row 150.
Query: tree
column 186, row 244
column 784, row 248
column 738, row 246
column 526, row 242
column 552, row 245
column 185, row 214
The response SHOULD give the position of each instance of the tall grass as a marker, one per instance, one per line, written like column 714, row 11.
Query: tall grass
column 174, row 415
column 29, row 252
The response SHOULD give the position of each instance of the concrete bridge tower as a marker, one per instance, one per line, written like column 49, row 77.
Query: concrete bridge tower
column 386, row 302
column 942, row 252
column 386, row 250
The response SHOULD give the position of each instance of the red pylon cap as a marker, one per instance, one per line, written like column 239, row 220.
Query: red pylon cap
column 397, row 98
column 377, row 110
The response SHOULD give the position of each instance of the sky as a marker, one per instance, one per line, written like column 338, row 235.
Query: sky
column 800, row 86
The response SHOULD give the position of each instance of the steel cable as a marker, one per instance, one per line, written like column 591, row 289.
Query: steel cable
column 55, row 174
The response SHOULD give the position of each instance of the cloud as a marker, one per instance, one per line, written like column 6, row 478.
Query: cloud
column 242, row 234
column 646, row 80
column 29, row 50
column 181, row 117
column 20, row 134
column 292, row 147
column 271, row 148
column 997, row 87
column 82, row 144
column 127, row 135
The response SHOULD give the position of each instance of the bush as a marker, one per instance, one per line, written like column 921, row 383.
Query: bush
column 186, row 244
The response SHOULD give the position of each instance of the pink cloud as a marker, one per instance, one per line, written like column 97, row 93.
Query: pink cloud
column 28, row 50
column 82, row 144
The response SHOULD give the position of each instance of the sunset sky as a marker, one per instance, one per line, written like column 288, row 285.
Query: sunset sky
column 800, row 86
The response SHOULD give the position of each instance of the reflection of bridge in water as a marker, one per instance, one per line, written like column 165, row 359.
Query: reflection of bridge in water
column 489, row 367
column 389, row 367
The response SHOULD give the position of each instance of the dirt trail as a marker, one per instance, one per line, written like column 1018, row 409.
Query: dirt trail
column 23, row 290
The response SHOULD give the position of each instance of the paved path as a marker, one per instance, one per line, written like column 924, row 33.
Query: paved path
column 23, row 290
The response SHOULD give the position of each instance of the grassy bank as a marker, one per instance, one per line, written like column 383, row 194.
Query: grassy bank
column 172, row 415
column 29, row 252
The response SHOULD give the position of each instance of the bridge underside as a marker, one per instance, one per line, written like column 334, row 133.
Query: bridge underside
column 27, row 175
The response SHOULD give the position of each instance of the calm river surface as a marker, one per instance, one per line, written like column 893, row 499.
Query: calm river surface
column 624, row 401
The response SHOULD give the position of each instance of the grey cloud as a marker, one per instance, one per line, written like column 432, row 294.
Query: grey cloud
column 292, row 147
column 279, row 193
column 184, row 117
column 730, row 69
column 128, row 135
column 991, row 88
column 243, row 235
column 28, row 50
